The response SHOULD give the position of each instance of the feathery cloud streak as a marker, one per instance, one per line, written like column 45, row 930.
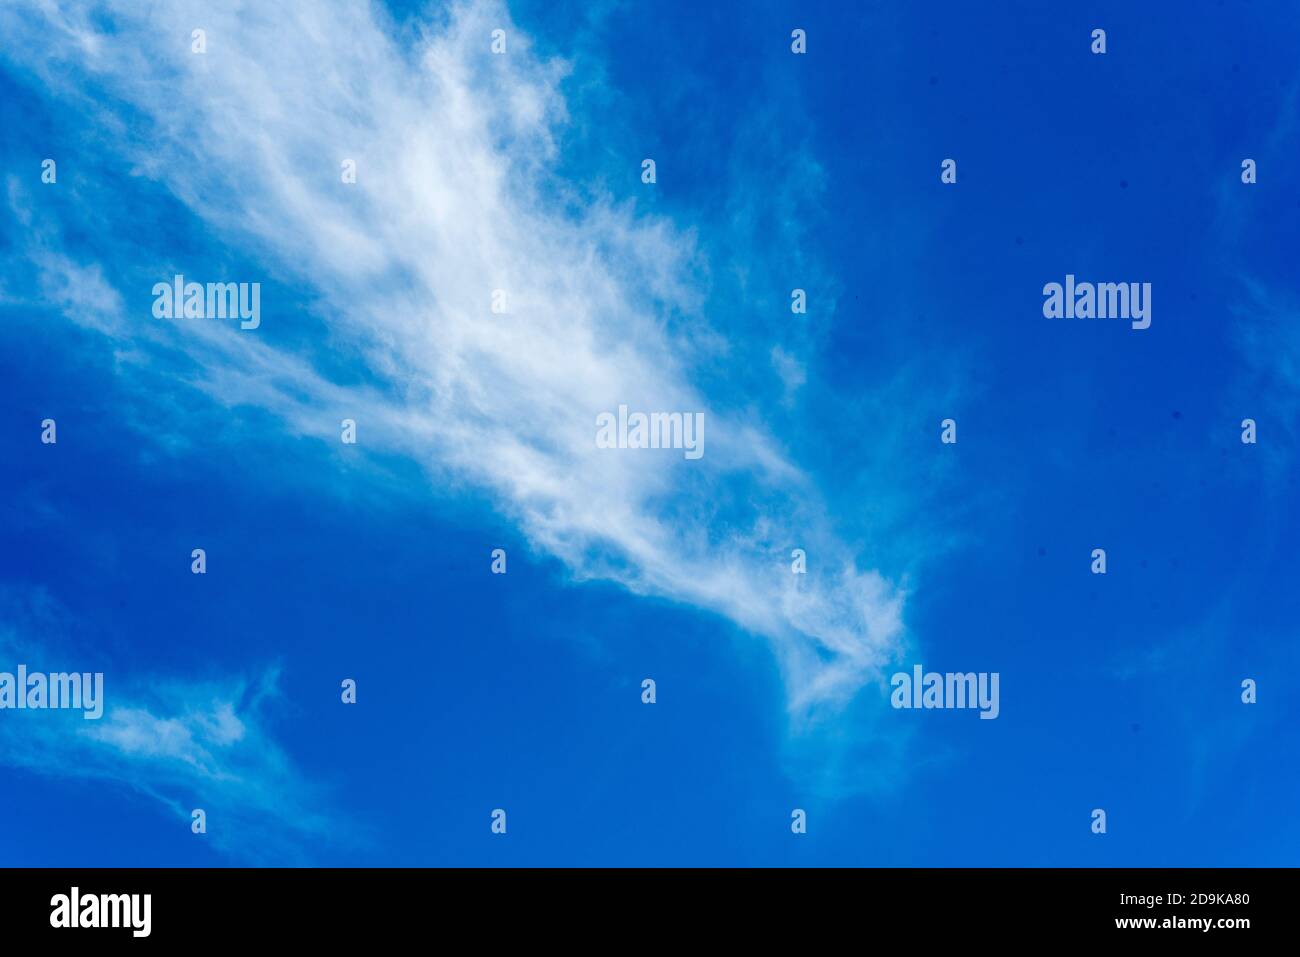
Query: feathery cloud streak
column 453, row 199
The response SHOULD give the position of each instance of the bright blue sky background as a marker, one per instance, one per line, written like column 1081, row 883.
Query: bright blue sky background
column 523, row 691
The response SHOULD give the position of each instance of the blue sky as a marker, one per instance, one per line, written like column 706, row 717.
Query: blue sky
column 522, row 691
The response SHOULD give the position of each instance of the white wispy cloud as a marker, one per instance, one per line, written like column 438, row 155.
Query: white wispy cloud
column 187, row 744
column 454, row 199
column 1266, row 382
